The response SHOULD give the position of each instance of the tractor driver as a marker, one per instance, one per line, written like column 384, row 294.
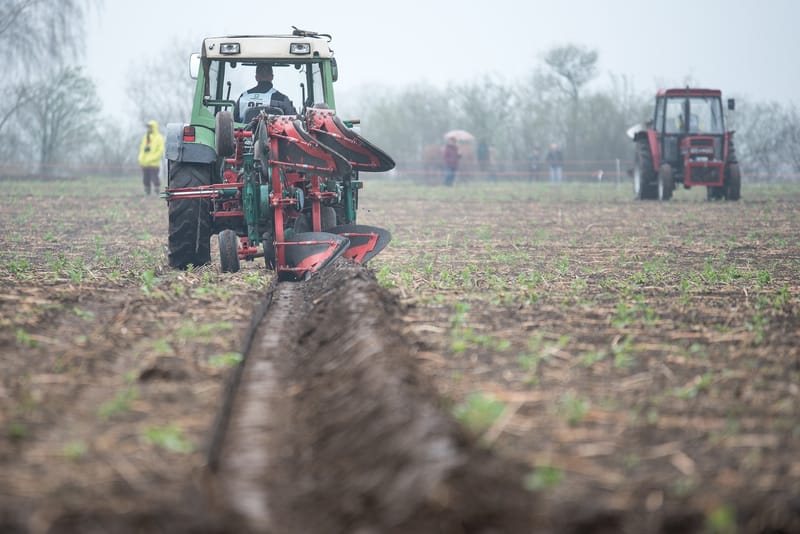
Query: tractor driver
column 262, row 95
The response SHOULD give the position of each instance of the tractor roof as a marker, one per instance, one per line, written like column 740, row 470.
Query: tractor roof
column 688, row 91
column 267, row 47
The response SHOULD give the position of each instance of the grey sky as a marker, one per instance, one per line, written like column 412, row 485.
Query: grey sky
column 745, row 48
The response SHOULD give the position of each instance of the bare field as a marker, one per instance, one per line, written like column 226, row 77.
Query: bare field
column 641, row 358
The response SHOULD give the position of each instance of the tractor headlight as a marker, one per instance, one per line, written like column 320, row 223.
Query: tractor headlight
column 229, row 48
column 299, row 48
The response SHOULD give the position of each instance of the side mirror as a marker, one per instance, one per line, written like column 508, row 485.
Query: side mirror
column 731, row 104
column 334, row 69
column 194, row 65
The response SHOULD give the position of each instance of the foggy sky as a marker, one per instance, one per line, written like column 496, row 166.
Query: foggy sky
column 744, row 48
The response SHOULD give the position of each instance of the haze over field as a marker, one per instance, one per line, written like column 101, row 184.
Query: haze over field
column 743, row 47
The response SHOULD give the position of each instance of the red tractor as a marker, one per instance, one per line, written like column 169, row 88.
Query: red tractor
column 686, row 142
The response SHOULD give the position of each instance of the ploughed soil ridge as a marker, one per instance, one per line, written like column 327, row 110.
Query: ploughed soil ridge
column 334, row 429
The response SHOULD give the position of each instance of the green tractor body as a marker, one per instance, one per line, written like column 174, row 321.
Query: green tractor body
column 276, row 178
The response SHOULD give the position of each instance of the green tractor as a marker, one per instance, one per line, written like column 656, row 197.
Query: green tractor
column 269, row 179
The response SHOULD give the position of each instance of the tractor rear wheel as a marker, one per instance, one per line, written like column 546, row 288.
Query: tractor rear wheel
column 327, row 217
column 229, row 251
column 666, row 183
column 733, row 182
column 224, row 141
column 189, row 219
column 643, row 172
column 302, row 224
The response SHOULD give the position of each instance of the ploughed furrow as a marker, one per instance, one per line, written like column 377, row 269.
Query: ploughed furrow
column 331, row 427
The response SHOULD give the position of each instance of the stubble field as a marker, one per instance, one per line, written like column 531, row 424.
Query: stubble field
column 641, row 359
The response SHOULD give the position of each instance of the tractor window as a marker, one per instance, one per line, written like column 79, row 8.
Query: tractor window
column 705, row 116
column 317, row 87
column 673, row 118
column 659, row 115
column 228, row 80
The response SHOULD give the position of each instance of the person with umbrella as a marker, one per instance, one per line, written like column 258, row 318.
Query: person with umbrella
column 451, row 157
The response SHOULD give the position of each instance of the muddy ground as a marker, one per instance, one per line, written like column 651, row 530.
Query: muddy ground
column 639, row 363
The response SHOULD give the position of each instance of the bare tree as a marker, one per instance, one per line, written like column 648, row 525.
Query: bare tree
column 485, row 109
column 574, row 66
column 160, row 88
column 43, row 35
column 63, row 117
column 791, row 138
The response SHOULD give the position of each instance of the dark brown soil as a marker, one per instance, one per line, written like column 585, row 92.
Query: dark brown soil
column 335, row 430
column 645, row 359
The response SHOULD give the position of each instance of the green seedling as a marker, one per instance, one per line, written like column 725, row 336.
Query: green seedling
column 543, row 478
column 229, row 359
column 120, row 404
column 25, row 339
column 478, row 412
column 573, row 408
column 74, row 450
column 170, row 438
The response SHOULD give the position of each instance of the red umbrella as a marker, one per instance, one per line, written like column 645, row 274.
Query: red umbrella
column 462, row 136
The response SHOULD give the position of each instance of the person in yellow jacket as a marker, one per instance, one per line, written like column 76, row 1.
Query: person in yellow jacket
column 151, row 150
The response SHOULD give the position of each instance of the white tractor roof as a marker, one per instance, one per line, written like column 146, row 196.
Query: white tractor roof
column 266, row 47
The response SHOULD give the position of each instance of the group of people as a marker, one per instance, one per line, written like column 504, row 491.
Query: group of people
column 263, row 95
column 554, row 160
column 452, row 155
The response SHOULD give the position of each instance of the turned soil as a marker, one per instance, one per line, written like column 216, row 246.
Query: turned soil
column 634, row 366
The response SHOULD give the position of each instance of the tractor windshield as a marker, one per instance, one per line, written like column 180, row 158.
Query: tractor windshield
column 302, row 82
column 704, row 116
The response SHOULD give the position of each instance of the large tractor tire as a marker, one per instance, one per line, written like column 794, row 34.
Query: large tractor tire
column 328, row 217
column 189, row 219
column 733, row 176
column 643, row 172
column 666, row 184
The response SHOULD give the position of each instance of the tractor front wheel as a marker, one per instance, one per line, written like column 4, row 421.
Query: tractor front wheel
column 666, row 183
column 189, row 241
column 229, row 251
column 733, row 182
column 714, row 192
column 224, row 141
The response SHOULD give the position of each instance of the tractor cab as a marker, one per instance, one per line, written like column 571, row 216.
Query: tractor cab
column 690, row 132
column 301, row 67
column 685, row 143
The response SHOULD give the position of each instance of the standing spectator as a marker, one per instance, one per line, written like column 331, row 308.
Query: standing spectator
column 533, row 164
column 556, row 161
column 485, row 159
column 451, row 157
column 151, row 151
